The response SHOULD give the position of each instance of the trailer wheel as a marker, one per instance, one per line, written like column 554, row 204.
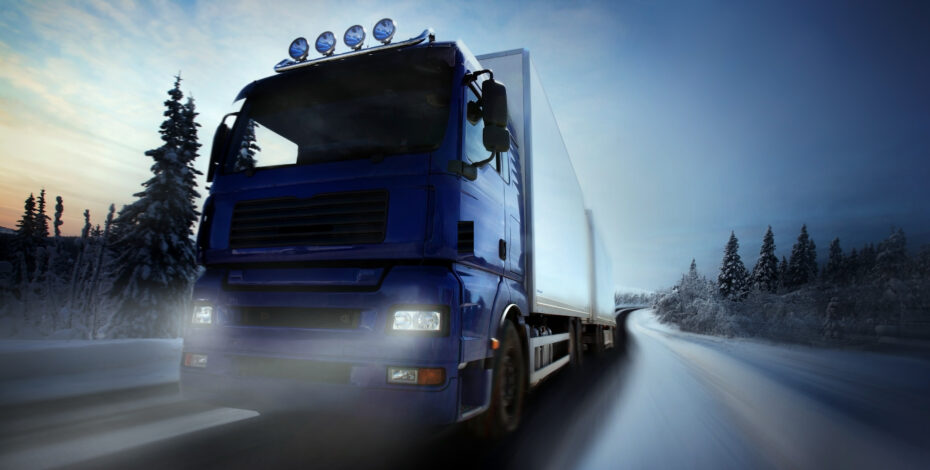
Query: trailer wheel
column 508, row 388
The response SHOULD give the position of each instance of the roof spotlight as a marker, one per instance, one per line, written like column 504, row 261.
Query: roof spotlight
column 299, row 48
column 354, row 37
column 325, row 43
column 384, row 30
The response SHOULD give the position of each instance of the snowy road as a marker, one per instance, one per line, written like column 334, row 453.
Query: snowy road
column 672, row 400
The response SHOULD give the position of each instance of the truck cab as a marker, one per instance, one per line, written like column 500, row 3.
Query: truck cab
column 362, row 246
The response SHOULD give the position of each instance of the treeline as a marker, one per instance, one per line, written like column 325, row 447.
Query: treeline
column 54, row 279
column 889, row 260
column 856, row 295
column 131, row 276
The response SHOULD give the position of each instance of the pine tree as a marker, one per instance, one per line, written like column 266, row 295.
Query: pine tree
column 41, row 218
column 692, row 271
column 834, row 270
column 27, row 239
column 733, row 279
column 782, row 271
column 891, row 260
column 866, row 262
column 765, row 273
column 799, row 272
column 813, row 268
column 245, row 159
column 851, row 270
column 154, row 252
column 59, row 208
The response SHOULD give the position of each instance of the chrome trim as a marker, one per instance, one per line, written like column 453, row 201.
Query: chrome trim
column 288, row 64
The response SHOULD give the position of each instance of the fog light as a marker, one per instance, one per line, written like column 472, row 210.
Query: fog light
column 195, row 360
column 402, row 375
column 203, row 315
column 416, row 376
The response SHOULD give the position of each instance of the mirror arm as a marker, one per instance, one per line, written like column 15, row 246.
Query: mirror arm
column 470, row 78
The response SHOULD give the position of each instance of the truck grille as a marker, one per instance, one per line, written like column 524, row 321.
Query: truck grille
column 296, row 317
column 325, row 219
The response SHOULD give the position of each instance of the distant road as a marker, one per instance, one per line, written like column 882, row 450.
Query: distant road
column 672, row 400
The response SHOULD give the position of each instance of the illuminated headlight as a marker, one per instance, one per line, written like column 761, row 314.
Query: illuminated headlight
column 299, row 49
column 354, row 37
column 417, row 320
column 384, row 30
column 326, row 43
column 203, row 315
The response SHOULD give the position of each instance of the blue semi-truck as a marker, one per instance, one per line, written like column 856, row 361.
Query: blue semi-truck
column 394, row 230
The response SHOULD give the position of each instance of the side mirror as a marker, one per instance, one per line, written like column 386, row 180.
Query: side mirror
column 220, row 138
column 494, row 101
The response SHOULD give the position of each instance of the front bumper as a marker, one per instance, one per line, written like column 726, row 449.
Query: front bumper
column 328, row 370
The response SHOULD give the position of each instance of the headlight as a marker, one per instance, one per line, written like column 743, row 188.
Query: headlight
column 203, row 315
column 417, row 320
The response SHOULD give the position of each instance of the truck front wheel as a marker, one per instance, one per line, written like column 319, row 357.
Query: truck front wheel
column 508, row 388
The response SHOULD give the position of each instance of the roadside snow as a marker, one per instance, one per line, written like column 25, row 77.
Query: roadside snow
column 37, row 370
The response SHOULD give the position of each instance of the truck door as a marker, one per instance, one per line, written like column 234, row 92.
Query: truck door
column 513, row 202
column 482, row 200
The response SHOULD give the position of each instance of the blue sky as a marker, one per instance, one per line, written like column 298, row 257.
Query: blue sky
column 685, row 120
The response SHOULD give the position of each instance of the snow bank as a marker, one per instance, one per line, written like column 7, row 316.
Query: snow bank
column 37, row 370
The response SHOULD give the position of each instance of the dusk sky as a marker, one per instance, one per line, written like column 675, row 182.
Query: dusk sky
column 685, row 120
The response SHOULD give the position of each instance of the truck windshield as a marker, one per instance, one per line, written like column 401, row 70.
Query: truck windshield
column 387, row 103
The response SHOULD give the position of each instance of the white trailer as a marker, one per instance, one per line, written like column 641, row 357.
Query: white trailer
column 569, row 268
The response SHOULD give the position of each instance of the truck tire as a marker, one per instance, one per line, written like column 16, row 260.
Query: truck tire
column 508, row 388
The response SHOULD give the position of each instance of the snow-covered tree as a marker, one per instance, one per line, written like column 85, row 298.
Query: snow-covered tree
column 245, row 159
column 733, row 279
column 891, row 261
column 783, row 272
column 765, row 273
column 851, row 270
column 813, row 268
column 155, row 261
column 799, row 264
column 922, row 262
column 835, row 269
column 866, row 262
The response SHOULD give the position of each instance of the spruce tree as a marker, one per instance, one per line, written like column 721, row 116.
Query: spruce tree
column 59, row 208
column 813, row 269
column 835, row 269
column 891, row 260
column 783, row 272
column 852, row 267
column 42, row 218
column 27, row 238
column 765, row 273
column 245, row 159
column 154, row 252
column 733, row 279
column 799, row 263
